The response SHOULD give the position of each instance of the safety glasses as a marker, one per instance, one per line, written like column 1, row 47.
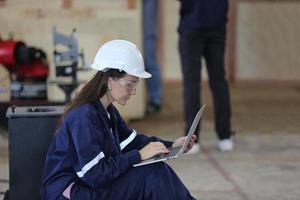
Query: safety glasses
column 130, row 85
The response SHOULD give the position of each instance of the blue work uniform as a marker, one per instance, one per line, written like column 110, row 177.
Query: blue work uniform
column 95, row 149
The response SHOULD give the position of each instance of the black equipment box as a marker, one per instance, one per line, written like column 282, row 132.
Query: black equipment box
column 30, row 132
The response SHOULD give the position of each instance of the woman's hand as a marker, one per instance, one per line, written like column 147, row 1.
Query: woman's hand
column 152, row 149
column 180, row 141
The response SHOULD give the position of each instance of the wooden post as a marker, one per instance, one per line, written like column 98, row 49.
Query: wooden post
column 2, row 3
column 67, row 4
column 160, row 41
column 131, row 4
column 230, row 43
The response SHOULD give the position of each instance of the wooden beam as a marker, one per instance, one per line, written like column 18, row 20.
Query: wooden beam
column 131, row 4
column 231, row 41
column 160, row 44
column 67, row 4
column 2, row 3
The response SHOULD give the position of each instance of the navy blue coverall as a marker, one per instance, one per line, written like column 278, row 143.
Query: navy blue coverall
column 97, row 150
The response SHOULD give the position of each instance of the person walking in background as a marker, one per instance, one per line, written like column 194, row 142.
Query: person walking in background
column 150, row 35
column 202, row 33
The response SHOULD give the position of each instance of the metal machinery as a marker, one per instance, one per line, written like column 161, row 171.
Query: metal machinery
column 67, row 62
column 28, row 69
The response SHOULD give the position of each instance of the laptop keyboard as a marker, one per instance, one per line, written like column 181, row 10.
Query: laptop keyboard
column 173, row 152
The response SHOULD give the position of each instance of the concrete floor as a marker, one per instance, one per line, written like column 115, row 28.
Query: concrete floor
column 265, row 164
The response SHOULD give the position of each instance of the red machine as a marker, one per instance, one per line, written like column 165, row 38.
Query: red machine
column 28, row 68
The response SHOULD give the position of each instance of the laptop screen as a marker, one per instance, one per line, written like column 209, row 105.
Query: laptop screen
column 192, row 129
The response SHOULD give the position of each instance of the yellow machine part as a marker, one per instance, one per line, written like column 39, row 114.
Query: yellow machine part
column 4, row 84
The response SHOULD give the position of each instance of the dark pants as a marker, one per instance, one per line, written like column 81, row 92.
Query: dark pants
column 153, row 181
column 210, row 44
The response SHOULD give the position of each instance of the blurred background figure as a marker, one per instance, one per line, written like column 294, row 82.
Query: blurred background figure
column 202, row 33
column 150, row 35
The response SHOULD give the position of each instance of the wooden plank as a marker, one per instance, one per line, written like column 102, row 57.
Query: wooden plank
column 131, row 4
column 67, row 4
column 266, row 47
column 230, row 43
column 161, row 41
column 2, row 3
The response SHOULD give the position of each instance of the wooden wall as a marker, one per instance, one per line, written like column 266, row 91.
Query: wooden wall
column 267, row 40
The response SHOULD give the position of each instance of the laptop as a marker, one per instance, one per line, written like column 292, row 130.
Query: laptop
column 175, row 152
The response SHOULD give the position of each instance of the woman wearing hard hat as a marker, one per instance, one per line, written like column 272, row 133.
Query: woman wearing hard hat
column 93, row 152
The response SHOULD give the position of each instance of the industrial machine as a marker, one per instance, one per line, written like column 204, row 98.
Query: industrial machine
column 68, row 61
column 28, row 69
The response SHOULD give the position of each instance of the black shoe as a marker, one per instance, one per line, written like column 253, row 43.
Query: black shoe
column 153, row 108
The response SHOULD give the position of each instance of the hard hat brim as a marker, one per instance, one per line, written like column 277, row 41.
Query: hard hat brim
column 104, row 69
column 144, row 75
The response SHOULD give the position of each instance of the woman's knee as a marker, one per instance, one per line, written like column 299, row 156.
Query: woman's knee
column 161, row 172
column 162, row 167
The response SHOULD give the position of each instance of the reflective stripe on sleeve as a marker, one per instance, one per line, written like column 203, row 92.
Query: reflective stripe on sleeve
column 128, row 140
column 89, row 165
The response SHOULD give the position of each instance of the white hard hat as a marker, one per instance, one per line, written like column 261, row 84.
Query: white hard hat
column 122, row 55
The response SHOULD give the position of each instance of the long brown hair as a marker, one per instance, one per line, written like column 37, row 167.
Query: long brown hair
column 92, row 91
